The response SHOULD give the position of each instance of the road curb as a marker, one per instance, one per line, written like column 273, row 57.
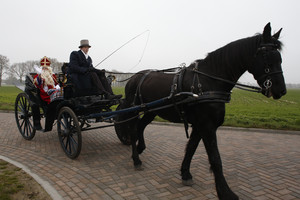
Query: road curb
column 45, row 184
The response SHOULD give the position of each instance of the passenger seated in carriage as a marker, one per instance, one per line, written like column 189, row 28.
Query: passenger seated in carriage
column 87, row 79
column 46, row 82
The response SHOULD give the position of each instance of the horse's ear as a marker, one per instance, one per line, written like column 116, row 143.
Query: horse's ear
column 267, row 33
column 276, row 35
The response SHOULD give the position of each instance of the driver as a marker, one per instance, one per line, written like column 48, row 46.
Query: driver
column 86, row 77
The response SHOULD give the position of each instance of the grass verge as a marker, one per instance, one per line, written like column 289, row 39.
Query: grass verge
column 15, row 184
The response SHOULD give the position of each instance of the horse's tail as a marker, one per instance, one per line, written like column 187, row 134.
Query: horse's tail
column 124, row 123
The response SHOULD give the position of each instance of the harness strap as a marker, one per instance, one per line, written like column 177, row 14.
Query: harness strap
column 180, row 80
column 176, row 88
column 138, row 89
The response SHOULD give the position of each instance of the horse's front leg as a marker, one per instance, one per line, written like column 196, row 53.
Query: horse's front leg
column 146, row 119
column 210, row 142
column 134, row 137
column 135, row 155
column 189, row 152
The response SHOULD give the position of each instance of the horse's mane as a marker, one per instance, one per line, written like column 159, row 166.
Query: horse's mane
column 237, row 52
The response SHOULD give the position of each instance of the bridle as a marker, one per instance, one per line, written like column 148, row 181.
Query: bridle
column 266, row 77
column 267, row 83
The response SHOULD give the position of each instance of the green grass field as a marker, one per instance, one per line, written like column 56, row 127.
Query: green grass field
column 254, row 110
column 8, row 96
column 246, row 109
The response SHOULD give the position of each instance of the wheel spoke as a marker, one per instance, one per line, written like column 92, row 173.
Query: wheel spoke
column 62, row 123
column 25, row 105
column 27, row 131
column 62, row 139
column 22, row 122
column 22, row 102
column 65, row 120
column 73, row 142
column 65, row 142
column 30, row 126
column 28, row 107
column 24, row 128
column 68, row 146
column 21, row 109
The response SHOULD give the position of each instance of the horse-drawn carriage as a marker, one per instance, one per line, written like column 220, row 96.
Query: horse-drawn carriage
column 74, row 113
column 193, row 95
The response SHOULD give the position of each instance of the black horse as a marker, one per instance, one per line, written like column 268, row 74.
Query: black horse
column 216, row 74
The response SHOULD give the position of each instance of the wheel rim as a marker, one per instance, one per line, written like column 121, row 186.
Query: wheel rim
column 69, row 133
column 24, row 118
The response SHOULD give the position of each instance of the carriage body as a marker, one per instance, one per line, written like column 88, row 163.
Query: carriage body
column 72, row 113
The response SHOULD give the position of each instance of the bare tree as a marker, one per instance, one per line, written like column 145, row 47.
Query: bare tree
column 29, row 65
column 19, row 70
column 56, row 65
column 11, row 80
column 4, row 62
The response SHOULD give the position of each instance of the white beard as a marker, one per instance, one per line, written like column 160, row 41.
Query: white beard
column 47, row 77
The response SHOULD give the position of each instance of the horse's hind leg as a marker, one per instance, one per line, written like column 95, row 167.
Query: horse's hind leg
column 210, row 142
column 189, row 152
column 146, row 119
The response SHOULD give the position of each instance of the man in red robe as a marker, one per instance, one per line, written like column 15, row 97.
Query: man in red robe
column 46, row 82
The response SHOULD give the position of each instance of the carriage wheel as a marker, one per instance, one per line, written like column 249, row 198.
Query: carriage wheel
column 69, row 132
column 24, row 116
column 121, row 130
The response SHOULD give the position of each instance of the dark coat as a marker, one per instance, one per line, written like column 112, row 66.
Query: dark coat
column 78, row 71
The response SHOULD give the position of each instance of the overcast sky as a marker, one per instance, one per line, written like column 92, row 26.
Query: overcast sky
column 180, row 30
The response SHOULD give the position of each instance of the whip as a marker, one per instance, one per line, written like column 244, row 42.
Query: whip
column 125, row 45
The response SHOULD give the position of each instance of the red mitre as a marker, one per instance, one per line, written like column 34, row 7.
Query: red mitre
column 45, row 62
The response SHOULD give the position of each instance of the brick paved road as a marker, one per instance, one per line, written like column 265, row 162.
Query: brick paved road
column 257, row 165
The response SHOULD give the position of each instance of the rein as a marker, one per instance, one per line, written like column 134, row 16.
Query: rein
column 237, row 85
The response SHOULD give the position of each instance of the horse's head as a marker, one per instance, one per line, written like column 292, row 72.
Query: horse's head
column 266, row 67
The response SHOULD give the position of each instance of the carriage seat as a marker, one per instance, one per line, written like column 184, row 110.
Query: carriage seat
column 33, row 92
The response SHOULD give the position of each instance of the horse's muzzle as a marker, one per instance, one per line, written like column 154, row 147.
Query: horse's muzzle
column 278, row 96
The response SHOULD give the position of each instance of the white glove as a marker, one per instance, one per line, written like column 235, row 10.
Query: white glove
column 38, row 69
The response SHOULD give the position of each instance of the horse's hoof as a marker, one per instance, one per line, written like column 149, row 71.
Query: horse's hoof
column 138, row 167
column 230, row 195
column 188, row 182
